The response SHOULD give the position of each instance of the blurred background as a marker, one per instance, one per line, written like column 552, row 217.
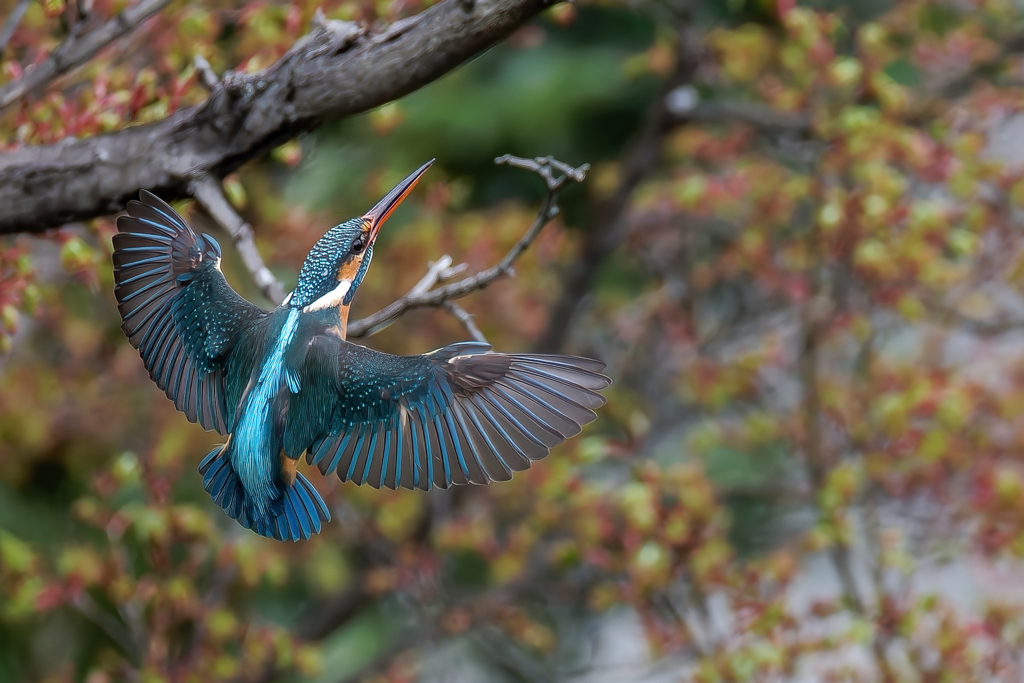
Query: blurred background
column 799, row 251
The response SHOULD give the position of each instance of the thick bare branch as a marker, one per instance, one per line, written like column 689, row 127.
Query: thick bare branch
column 331, row 73
column 208, row 192
column 76, row 51
column 421, row 297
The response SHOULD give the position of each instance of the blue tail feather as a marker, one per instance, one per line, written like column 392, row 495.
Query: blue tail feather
column 315, row 505
column 293, row 520
column 304, row 521
column 307, row 502
column 298, row 514
column 234, row 507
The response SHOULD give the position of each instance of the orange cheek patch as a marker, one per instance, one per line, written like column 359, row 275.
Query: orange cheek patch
column 348, row 270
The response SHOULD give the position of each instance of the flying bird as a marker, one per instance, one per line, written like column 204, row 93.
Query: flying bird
column 282, row 383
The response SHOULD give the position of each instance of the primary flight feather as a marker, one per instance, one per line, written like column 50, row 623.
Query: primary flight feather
column 286, row 382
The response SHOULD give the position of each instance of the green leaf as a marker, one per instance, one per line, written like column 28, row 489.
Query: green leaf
column 903, row 72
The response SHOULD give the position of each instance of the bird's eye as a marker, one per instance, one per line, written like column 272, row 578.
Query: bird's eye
column 357, row 246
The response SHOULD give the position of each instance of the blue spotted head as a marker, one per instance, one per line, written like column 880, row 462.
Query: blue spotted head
column 337, row 263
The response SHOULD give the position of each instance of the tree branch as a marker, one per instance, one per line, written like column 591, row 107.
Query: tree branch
column 815, row 316
column 76, row 51
column 464, row 317
column 330, row 74
column 684, row 102
column 208, row 192
column 609, row 226
column 117, row 633
column 207, row 78
column 336, row 611
column 950, row 316
column 11, row 24
column 555, row 174
column 384, row 659
column 438, row 271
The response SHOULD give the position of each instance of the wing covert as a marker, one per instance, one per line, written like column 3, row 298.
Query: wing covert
column 176, row 307
column 458, row 415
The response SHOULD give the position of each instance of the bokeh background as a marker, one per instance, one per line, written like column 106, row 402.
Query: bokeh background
column 799, row 251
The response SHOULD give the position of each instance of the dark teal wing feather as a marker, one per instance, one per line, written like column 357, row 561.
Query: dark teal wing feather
column 176, row 307
column 458, row 415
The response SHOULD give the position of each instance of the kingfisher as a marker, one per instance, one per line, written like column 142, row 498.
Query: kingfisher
column 279, row 384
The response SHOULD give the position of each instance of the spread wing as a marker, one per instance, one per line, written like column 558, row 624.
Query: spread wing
column 455, row 416
column 176, row 307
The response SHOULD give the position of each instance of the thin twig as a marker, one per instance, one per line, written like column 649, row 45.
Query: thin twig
column 418, row 297
column 74, row 52
column 438, row 271
column 11, row 25
column 546, row 167
column 222, row 580
column 441, row 271
column 815, row 316
column 386, row 658
column 955, row 83
column 207, row 78
column 684, row 102
column 208, row 192
column 609, row 225
column 818, row 460
column 464, row 317
column 949, row 316
column 88, row 608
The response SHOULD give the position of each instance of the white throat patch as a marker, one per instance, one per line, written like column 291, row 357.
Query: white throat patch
column 331, row 299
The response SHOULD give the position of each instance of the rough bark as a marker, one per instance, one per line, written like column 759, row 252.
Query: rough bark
column 331, row 73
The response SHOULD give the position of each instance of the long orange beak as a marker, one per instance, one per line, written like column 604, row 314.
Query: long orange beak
column 380, row 213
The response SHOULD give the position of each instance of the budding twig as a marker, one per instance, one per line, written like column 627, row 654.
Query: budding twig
column 78, row 50
column 464, row 317
column 209, row 193
column 556, row 175
column 207, row 78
